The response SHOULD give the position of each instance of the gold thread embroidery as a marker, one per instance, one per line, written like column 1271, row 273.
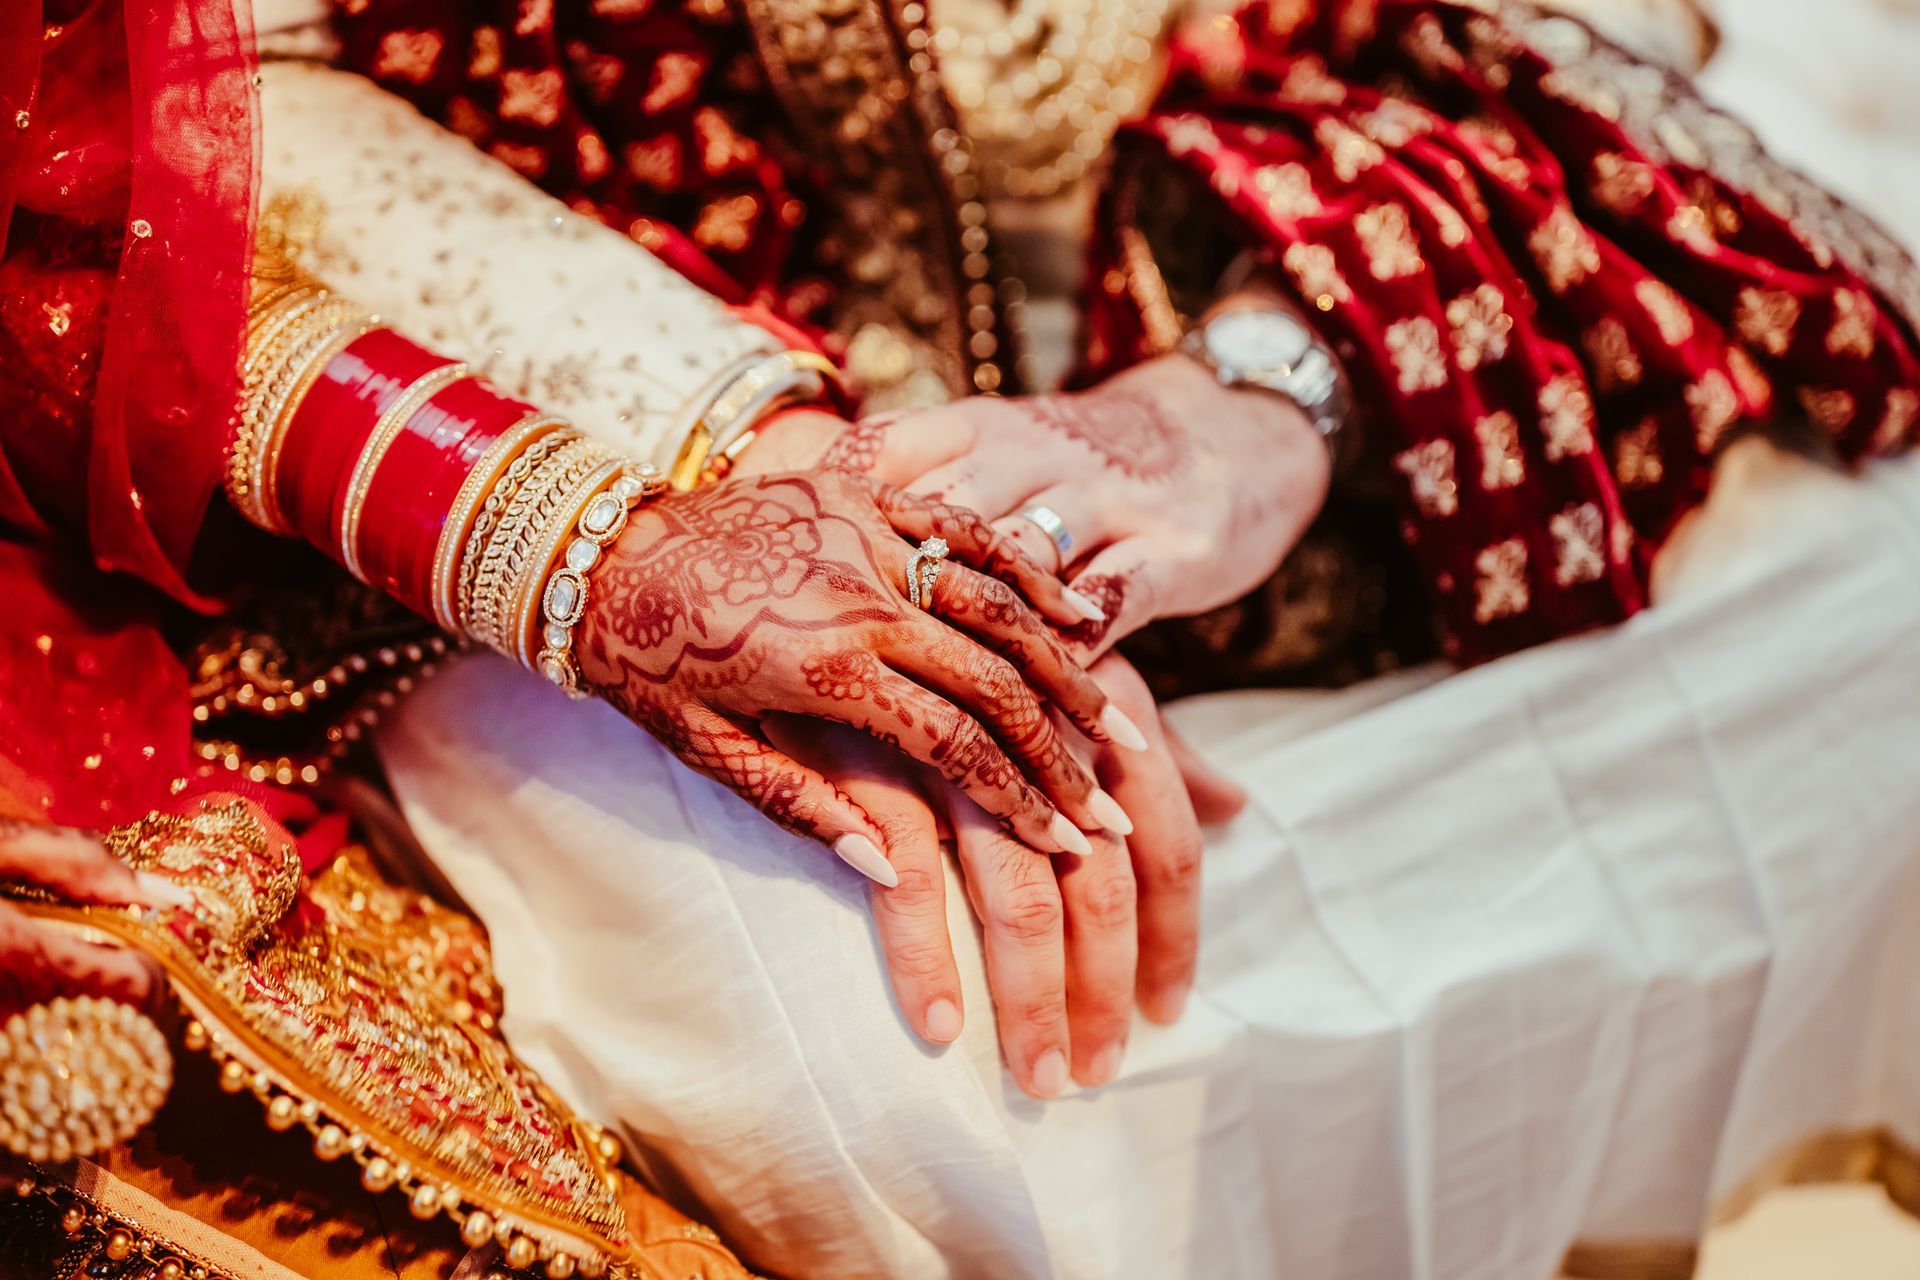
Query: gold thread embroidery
column 1414, row 344
column 1501, row 590
column 1853, row 320
column 1610, row 350
column 1577, row 533
column 1429, row 471
column 1387, row 236
column 1714, row 407
column 1480, row 326
column 1669, row 312
column 1317, row 272
column 1829, row 408
column 1502, row 464
column 1765, row 318
column 1566, row 417
column 1565, row 251
column 1637, row 462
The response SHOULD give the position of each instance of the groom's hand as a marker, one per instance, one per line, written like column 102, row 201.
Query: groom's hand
column 1071, row 941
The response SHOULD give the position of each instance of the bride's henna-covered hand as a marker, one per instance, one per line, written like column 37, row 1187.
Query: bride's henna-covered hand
column 38, row 961
column 786, row 594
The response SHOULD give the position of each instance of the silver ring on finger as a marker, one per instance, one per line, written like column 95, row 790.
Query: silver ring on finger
column 1053, row 526
column 923, row 570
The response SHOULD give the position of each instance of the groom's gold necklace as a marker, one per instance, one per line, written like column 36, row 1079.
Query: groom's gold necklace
column 1066, row 73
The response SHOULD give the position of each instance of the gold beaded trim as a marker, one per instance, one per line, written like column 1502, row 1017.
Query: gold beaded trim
column 386, row 429
column 110, row 1236
column 465, row 511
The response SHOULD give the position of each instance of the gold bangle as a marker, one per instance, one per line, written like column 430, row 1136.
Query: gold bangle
column 386, row 429
column 530, row 511
column 277, row 356
column 499, row 496
column 738, row 407
column 466, row 510
column 279, row 409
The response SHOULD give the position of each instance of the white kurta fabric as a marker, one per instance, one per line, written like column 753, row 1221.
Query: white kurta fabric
column 1557, row 949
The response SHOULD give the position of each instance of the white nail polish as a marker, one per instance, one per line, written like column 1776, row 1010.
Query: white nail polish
column 1107, row 812
column 1121, row 728
column 1082, row 605
column 163, row 891
column 1104, row 1067
column 943, row 1021
column 1165, row 1006
column 864, row 856
column 1070, row 838
column 1050, row 1073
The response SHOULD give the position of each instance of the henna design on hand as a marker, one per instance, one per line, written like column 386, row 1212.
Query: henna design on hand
column 785, row 594
column 858, row 447
column 1128, row 428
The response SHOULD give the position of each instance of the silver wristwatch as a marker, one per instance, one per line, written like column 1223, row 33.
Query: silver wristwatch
column 1268, row 346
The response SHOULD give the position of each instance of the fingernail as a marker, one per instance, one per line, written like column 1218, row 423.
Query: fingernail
column 1049, row 1074
column 1107, row 812
column 943, row 1021
column 1166, row 1005
column 1070, row 838
column 864, row 856
column 1082, row 605
column 1121, row 728
column 1105, row 1066
column 162, row 892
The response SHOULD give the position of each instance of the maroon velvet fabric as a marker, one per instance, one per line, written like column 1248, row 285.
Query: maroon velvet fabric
column 1552, row 322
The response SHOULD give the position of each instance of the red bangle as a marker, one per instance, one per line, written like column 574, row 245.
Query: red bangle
column 330, row 426
column 424, row 468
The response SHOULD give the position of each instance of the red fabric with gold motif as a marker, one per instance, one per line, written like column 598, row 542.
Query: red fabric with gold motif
column 651, row 115
column 1553, row 316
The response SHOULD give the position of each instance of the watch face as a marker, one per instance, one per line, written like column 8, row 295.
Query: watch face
column 1254, row 340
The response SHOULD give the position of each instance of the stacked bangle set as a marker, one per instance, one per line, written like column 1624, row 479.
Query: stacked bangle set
column 426, row 482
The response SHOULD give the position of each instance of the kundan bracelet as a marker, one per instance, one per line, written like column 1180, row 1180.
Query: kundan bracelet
column 563, row 601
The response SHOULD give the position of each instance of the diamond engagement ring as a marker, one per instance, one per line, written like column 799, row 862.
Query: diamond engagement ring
column 923, row 568
column 1053, row 526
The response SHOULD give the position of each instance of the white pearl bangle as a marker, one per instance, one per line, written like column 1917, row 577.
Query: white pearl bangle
column 564, row 600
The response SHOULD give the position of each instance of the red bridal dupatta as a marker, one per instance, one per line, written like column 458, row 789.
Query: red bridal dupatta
column 126, row 191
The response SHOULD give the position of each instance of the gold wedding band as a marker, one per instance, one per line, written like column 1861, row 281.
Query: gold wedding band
column 923, row 570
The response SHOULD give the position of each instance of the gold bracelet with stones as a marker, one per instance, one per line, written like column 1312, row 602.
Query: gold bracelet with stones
column 464, row 515
column 500, row 494
column 563, row 598
column 503, row 561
